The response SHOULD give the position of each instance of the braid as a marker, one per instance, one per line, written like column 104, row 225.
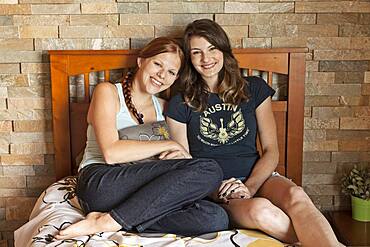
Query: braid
column 126, row 88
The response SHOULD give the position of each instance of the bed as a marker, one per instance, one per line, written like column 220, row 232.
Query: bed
column 73, row 77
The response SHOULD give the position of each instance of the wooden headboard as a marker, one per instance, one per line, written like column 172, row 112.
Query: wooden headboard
column 69, row 116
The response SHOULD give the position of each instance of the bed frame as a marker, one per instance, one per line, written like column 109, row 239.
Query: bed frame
column 69, row 118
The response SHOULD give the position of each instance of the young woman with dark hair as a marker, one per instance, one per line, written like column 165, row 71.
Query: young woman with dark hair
column 218, row 116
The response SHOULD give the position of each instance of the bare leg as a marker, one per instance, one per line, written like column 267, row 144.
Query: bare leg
column 259, row 213
column 310, row 225
column 94, row 222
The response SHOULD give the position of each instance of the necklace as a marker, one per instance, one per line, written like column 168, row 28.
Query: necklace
column 126, row 88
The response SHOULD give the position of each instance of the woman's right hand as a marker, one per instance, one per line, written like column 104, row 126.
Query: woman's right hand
column 230, row 189
column 233, row 189
column 176, row 151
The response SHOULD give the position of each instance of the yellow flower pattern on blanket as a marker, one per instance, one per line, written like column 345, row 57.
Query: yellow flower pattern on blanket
column 262, row 239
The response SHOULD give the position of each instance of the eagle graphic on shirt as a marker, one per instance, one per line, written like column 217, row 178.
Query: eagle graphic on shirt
column 225, row 131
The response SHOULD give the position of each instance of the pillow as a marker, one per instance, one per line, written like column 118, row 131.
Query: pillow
column 155, row 131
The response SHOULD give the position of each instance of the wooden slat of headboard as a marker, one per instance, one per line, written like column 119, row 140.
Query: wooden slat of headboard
column 78, row 114
column 86, row 88
column 60, row 106
column 295, row 117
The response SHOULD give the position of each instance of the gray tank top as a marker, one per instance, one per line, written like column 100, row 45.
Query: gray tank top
column 92, row 153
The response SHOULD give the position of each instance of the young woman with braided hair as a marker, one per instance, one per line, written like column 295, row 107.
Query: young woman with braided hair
column 118, row 186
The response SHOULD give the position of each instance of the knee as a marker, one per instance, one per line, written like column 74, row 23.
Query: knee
column 296, row 197
column 262, row 212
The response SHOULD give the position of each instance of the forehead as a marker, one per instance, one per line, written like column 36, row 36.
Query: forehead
column 199, row 42
column 170, row 59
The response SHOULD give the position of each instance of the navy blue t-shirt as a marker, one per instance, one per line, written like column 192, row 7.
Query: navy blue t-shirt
column 224, row 132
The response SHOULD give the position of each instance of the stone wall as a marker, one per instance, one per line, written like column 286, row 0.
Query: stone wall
column 337, row 120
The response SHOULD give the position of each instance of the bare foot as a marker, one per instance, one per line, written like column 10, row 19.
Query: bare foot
column 94, row 222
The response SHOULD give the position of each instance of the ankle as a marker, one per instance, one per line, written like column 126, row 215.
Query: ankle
column 106, row 220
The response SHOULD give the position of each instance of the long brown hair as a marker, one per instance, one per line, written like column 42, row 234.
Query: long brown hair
column 231, row 85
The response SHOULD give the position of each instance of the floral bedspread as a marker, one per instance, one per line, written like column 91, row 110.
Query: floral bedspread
column 58, row 207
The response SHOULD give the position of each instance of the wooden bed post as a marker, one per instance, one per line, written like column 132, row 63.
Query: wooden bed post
column 295, row 117
column 60, row 107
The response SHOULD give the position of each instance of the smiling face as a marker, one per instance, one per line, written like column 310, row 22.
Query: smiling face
column 157, row 73
column 206, row 59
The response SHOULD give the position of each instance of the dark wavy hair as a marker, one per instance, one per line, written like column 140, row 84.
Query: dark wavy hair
column 231, row 85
